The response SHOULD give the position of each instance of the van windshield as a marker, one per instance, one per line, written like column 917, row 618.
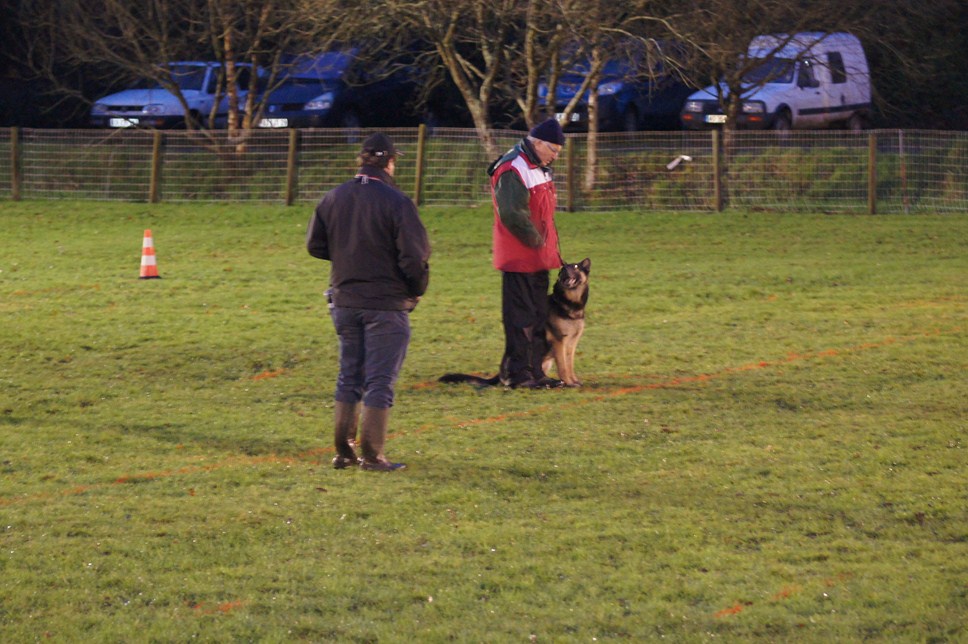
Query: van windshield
column 330, row 65
column 187, row 77
column 771, row 70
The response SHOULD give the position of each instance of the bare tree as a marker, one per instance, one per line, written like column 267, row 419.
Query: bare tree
column 470, row 39
column 917, row 51
column 590, row 34
column 535, row 49
column 135, row 39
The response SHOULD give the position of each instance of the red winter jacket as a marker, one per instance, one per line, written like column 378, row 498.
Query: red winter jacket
column 523, row 192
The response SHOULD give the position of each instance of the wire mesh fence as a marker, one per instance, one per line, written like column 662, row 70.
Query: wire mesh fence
column 881, row 171
column 640, row 171
column 826, row 171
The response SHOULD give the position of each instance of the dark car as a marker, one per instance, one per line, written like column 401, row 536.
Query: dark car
column 628, row 98
column 336, row 89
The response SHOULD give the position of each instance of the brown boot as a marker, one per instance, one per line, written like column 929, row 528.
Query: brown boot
column 346, row 418
column 373, row 430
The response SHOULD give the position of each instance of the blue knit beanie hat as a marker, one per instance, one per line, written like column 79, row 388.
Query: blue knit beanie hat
column 549, row 131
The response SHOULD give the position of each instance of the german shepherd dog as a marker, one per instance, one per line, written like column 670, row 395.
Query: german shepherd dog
column 566, row 323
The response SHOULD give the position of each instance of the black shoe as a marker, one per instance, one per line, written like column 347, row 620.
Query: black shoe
column 381, row 466
column 342, row 462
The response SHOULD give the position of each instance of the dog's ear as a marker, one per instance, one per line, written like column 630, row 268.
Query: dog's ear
column 586, row 265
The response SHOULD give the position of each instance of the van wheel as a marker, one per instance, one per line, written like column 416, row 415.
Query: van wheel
column 856, row 123
column 783, row 122
column 196, row 120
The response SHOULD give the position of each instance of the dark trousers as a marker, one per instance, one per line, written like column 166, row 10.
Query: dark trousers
column 372, row 346
column 524, row 309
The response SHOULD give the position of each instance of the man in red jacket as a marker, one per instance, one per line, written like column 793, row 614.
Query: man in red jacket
column 525, row 249
column 378, row 247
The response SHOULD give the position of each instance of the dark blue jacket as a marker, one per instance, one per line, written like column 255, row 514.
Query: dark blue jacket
column 372, row 234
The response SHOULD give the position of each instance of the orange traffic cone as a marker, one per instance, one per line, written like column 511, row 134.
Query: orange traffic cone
column 149, row 266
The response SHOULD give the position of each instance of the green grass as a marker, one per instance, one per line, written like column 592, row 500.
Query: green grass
column 771, row 443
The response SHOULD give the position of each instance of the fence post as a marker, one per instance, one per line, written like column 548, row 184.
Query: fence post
column 570, row 174
column 903, row 170
column 15, row 177
column 418, row 173
column 292, row 167
column 717, row 171
column 155, row 180
column 872, row 174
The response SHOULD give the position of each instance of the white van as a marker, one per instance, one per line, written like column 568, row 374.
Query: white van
column 808, row 80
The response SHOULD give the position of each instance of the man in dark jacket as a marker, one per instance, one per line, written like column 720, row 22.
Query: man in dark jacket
column 525, row 249
column 371, row 233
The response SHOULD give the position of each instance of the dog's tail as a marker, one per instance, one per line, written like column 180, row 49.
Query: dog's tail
column 477, row 381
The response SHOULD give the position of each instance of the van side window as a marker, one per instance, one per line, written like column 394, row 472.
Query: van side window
column 838, row 73
column 213, row 80
column 807, row 78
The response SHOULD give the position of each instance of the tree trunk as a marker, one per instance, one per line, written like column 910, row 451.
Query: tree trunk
column 591, row 145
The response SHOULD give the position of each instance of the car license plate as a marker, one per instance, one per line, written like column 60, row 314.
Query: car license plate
column 574, row 118
column 274, row 123
column 116, row 122
column 715, row 118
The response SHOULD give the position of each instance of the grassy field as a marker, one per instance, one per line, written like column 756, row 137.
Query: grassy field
column 770, row 445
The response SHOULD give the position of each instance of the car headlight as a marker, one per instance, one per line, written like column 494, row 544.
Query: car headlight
column 753, row 107
column 612, row 87
column 322, row 102
column 693, row 106
column 153, row 108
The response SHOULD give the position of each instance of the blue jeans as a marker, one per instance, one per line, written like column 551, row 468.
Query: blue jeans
column 372, row 346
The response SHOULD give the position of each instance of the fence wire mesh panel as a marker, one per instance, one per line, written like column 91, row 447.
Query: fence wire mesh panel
column 86, row 164
column 206, row 166
column 815, row 171
column 454, row 162
column 640, row 170
column 327, row 158
column 803, row 171
column 455, row 166
column 6, row 162
column 922, row 171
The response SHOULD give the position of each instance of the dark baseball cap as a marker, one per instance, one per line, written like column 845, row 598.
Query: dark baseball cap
column 381, row 145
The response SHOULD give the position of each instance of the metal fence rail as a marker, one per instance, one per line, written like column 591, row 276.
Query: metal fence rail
column 881, row 171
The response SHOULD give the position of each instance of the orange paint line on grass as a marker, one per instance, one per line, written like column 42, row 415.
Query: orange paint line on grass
column 144, row 477
column 58, row 289
column 735, row 609
column 784, row 593
column 269, row 374
column 316, row 453
column 272, row 459
column 671, row 383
